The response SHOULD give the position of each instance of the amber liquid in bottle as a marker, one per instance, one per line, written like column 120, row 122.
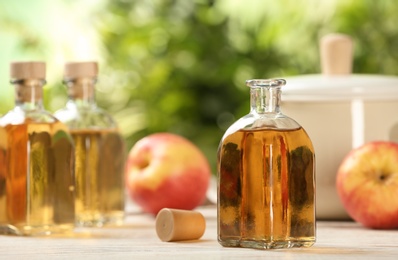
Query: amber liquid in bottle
column 36, row 161
column 99, row 150
column 266, row 177
column 266, row 199
column 99, row 186
column 36, row 179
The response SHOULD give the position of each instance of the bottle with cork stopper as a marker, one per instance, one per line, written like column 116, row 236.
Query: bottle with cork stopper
column 36, row 161
column 100, row 149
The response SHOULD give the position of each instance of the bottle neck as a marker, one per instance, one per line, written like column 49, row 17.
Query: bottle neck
column 29, row 93
column 81, row 91
column 265, row 99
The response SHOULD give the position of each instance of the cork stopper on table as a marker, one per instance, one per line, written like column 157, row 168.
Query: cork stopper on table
column 28, row 70
column 336, row 51
column 178, row 225
column 81, row 69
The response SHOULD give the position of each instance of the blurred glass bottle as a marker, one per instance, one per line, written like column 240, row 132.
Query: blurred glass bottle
column 266, row 176
column 36, row 161
column 100, row 150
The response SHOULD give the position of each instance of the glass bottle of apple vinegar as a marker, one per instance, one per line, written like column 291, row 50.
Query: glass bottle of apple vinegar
column 266, row 177
column 36, row 161
column 100, row 149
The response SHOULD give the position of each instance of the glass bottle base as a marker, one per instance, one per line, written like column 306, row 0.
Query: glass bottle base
column 36, row 230
column 115, row 219
column 259, row 244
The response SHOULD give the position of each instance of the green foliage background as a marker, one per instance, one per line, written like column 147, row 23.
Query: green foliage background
column 180, row 66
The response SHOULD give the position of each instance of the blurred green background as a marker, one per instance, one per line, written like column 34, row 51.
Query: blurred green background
column 180, row 66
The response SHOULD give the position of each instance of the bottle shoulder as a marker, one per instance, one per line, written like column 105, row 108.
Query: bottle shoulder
column 20, row 116
column 274, row 121
column 85, row 117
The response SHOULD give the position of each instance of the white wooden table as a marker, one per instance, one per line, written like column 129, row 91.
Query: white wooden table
column 137, row 240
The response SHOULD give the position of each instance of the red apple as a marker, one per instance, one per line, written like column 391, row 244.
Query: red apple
column 165, row 170
column 367, row 183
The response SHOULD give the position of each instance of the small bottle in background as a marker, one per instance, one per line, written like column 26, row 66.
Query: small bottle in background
column 100, row 150
column 36, row 161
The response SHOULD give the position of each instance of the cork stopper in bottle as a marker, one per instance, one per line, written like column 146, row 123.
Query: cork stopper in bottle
column 28, row 70
column 81, row 69
column 178, row 225
column 336, row 52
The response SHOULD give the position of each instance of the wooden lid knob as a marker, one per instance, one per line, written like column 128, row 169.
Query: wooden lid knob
column 336, row 51
column 178, row 225
column 28, row 70
column 81, row 69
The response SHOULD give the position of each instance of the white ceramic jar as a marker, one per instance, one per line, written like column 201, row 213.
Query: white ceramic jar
column 340, row 111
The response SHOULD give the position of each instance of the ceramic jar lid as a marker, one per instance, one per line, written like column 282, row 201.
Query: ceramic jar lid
column 336, row 83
